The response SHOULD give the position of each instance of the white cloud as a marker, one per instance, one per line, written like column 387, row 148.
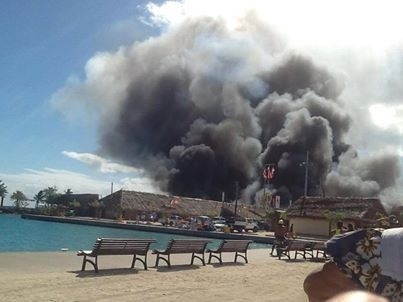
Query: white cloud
column 357, row 23
column 386, row 116
column 101, row 164
column 31, row 182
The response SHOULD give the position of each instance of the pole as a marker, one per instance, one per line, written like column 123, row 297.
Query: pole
column 306, row 174
column 266, row 181
column 111, row 187
column 236, row 198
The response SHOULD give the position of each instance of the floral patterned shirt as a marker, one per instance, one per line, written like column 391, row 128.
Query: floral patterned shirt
column 358, row 254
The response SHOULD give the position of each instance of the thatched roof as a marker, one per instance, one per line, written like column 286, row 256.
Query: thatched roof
column 350, row 207
column 84, row 199
column 178, row 205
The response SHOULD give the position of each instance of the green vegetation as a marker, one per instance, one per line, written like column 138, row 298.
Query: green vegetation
column 39, row 198
column 20, row 200
column 3, row 191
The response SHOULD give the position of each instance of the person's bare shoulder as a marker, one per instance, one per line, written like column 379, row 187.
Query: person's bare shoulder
column 357, row 296
column 327, row 282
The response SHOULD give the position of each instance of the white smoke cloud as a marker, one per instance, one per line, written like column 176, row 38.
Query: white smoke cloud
column 101, row 164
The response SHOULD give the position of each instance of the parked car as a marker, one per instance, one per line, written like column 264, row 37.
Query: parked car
column 263, row 225
column 174, row 220
column 218, row 224
column 251, row 225
column 203, row 223
column 244, row 224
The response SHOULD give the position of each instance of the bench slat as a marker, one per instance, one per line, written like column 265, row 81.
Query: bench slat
column 228, row 246
column 182, row 246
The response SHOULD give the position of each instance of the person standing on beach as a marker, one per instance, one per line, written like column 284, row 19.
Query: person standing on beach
column 280, row 236
column 339, row 228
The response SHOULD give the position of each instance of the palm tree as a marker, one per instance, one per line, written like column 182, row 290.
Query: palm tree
column 39, row 198
column 95, row 204
column 3, row 192
column 50, row 195
column 19, row 199
column 68, row 192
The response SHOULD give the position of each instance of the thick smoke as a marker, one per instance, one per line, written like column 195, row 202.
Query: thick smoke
column 203, row 107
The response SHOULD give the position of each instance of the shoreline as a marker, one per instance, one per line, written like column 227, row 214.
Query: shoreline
column 264, row 237
column 259, row 237
column 56, row 276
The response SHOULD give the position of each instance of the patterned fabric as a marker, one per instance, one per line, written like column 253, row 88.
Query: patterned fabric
column 358, row 254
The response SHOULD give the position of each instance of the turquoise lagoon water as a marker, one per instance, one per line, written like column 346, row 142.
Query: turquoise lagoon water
column 23, row 235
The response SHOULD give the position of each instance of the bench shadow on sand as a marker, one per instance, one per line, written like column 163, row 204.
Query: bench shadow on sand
column 175, row 268
column 105, row 272
column 226, row 264
column 129, row 271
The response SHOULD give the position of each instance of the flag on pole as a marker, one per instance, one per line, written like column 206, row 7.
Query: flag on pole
column 268, row 172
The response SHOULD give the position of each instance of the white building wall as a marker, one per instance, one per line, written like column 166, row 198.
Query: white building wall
column 309, row 226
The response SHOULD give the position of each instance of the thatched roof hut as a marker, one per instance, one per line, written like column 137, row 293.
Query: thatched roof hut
column 318, row 214
column 129, row 204
column 349, row 207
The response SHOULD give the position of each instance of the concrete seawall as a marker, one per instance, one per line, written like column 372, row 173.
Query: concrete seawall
column 255, row 237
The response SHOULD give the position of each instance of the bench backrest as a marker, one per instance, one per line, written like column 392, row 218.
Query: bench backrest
column 296, row 245
column 177, row 246
column 234, row 245
column 319, row 246
column 121, row 246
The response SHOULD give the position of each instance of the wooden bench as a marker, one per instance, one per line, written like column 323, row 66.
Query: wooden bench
column 299, row 247
column 239, row 247
column 320, row 248
column 182, row 246
column 117, row 246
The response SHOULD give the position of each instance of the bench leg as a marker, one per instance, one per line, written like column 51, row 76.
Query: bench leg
column 135, row 258
column 279, row 253
column 94, row 264
column 273, row 248
column 167, row 260
column 84, row 263
column 145, row 262
column 237, row 254
column 201, row 258
column 212, row 255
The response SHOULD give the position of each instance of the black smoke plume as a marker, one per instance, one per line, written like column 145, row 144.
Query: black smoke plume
column 202, row 107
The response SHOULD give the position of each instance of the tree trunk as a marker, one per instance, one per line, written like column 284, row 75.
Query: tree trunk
column 2, row 199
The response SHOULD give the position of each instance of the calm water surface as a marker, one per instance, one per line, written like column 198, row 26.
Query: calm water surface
column 22, row 235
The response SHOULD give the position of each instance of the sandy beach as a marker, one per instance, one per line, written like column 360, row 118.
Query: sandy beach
column 56, row 276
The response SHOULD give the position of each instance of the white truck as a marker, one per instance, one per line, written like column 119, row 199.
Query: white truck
column 244, row 224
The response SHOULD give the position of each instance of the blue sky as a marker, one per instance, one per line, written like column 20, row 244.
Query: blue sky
column 43, row 44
